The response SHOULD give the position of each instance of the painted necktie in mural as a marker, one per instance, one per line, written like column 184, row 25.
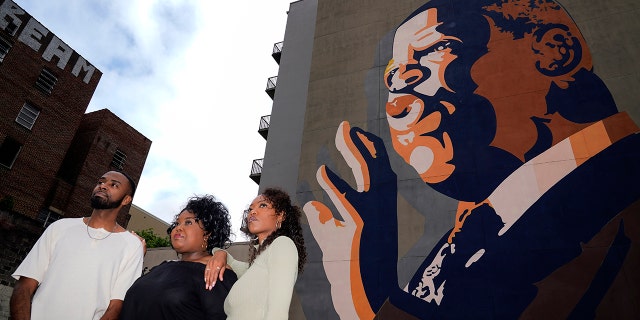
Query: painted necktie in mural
column 495, row 105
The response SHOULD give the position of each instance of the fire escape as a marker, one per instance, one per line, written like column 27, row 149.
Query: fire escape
column 263, row 129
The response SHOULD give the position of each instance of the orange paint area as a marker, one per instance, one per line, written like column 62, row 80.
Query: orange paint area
column 367, row 144
column 354, row 157
column 407, row 137
column 595, row 138
column 462, row 213
column 325, row 214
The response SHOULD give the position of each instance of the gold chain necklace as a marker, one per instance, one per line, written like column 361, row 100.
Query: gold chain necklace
column 90, row 236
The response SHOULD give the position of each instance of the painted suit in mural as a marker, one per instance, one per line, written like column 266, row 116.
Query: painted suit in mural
column 494, row 104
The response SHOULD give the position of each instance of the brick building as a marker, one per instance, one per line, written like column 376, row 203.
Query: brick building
column 51, row 152
column 44, row 97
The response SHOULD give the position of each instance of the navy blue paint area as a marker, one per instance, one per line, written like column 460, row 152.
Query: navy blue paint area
column 500, row 285
column 586, row 308
column 377, row 207
column 379, row 239
column 583, row 103
column 545, row 138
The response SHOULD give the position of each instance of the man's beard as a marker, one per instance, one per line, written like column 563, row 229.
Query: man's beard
column 103, row 203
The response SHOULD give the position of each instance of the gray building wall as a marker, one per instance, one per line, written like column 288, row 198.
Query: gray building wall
column 290, row 99
column 283, row 148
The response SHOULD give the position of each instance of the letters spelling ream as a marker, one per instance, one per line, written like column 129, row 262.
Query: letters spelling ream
column 35, row 35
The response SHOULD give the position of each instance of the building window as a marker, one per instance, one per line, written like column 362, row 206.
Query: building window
column 9, row 151
column 11, row 28
column 48, row 217
column 4, row 48
column 118, row 159
column 27, row 116
column 46, row 81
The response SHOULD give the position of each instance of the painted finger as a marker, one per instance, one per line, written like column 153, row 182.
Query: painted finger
column 336, row 189
column 353, row 156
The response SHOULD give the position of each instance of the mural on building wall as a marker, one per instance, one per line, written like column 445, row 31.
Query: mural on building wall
column 495, row 105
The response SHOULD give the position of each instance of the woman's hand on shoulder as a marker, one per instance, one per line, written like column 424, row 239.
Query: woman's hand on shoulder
column 144, row 242
column 214, row 269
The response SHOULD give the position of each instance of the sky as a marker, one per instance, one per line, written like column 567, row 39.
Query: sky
column 190, row 76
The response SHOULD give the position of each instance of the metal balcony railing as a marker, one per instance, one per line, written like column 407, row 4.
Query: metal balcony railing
column 256, row 170
column 277, row 51
column 263, row 130
column 271, row 86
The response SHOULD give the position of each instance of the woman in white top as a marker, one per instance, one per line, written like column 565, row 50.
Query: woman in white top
column 276, row 256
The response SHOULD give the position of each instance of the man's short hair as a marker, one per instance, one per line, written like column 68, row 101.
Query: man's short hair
column 131, row 182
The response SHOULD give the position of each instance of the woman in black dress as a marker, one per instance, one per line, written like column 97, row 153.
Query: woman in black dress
column 175, row 289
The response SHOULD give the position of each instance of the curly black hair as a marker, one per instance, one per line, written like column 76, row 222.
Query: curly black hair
column 215, row 218
column 290, row 226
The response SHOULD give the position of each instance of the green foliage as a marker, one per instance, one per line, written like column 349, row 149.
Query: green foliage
column 153, row 240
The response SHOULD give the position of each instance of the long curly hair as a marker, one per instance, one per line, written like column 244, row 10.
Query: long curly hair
column 215, row 219
column 290, row 226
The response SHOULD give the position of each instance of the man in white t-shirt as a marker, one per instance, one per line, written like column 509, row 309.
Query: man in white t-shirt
column 81, row 268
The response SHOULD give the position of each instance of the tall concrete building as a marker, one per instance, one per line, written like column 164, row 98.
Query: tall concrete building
column 461, row 159
column 51, row 151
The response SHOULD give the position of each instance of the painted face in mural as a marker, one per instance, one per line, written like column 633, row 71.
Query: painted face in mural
column 460, row 122
column 415, row 76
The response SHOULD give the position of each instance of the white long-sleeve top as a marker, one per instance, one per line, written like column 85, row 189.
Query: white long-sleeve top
column 264, row 289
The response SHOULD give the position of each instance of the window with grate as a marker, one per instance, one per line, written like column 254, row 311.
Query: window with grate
column 11, row 28
column 46, row 81
column 119, row 159
column 9, row 150
column 28, row 115
column 4, row 48
column 48, row 217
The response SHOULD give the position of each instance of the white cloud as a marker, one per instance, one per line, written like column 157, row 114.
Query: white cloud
column 190, row 76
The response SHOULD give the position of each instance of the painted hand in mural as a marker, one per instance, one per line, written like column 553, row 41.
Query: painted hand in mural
column 363, row 273
column 336, row 240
